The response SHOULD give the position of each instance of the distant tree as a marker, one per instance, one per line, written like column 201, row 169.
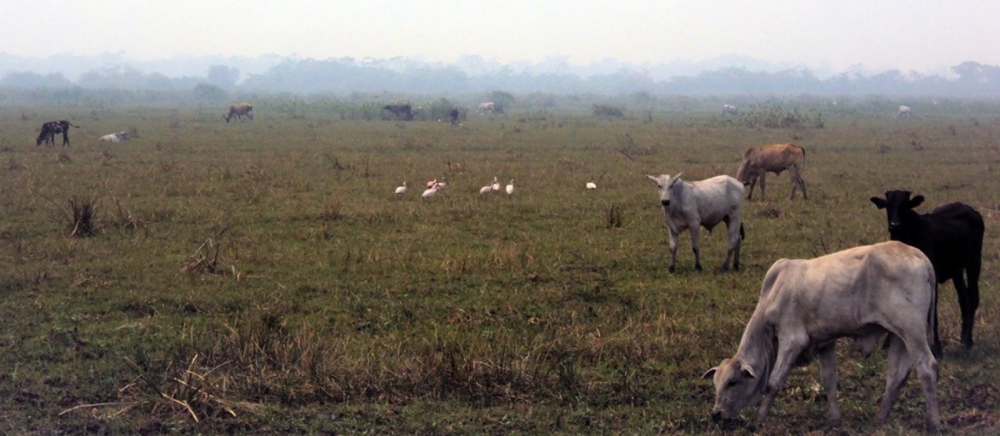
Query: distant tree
column 501, row 100
column 35, row 80
column 210, row 93
column 223, row 76
column 441, row 109
column 977, row 78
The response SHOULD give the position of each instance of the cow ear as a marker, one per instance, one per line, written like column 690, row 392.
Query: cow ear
column 655, row 179
column 879, row 203
column 710, row 373
column 916, row 201
column 747, row 370
column 675, row 179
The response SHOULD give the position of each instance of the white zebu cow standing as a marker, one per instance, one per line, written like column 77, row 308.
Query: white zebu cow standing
column 486, row 107
column 706, row 203
column 728, row 109
column 904, row 111
column 805, row 305
column 115, row 137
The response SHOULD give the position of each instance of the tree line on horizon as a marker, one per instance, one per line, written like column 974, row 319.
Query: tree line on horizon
column 310, row 76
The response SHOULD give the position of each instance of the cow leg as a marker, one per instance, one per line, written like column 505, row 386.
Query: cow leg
column 901, row 351
column 795, row 183
column 828, row 373
column 971, row 299
column 763, row 188
column 896, row 373
column 733, row 247
column 802, row 184
column 696, row 244
column 753, row 182
column 673, row 249
column 968, row 312
column 788, row 349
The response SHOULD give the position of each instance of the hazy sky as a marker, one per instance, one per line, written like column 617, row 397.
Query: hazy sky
column 920, row 35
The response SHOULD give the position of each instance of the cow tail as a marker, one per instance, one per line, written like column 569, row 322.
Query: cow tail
column 742, row 234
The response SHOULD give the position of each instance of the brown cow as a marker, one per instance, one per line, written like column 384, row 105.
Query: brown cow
column 757, row 161
column 240, row 109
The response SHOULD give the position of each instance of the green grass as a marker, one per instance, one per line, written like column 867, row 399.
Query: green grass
column 261, row 276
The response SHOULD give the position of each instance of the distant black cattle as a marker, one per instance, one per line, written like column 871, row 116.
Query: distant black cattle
column 454, row 115
column 400, row 110
column 53, row 128
column 952, row 238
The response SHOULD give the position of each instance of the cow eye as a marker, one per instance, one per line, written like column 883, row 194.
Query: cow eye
column 732, row 383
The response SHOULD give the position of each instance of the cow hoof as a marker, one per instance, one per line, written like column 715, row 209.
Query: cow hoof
column 671, row 269
column 697, row 267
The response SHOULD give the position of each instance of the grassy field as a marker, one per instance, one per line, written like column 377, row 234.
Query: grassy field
column 262, row 277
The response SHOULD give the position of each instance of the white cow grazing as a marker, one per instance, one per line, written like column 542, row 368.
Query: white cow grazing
column 904, row 111
column 728, row 109
column 115, row 137
column 486, row 107
column 805, row 305
column 706, row 203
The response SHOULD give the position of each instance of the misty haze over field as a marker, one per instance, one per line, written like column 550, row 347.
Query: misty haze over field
column 731, row 74
column 894, row 47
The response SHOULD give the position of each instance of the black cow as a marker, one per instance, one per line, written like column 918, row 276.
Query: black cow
column 398, row 110
column 53, row 128
column 952, row 238
column 454, row 115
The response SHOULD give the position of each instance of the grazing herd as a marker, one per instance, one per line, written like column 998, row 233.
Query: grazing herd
column 865, row 293
column 886, row 290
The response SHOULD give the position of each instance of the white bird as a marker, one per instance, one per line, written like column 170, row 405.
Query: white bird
column 401, row 190
column 485, row 190
column 510, row 187
column 591, row 186
column 496, row 185
column 431, row 183
column 430, row 192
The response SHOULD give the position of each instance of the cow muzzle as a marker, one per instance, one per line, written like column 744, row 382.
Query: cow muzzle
column 665, row 203
column 716, row 414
